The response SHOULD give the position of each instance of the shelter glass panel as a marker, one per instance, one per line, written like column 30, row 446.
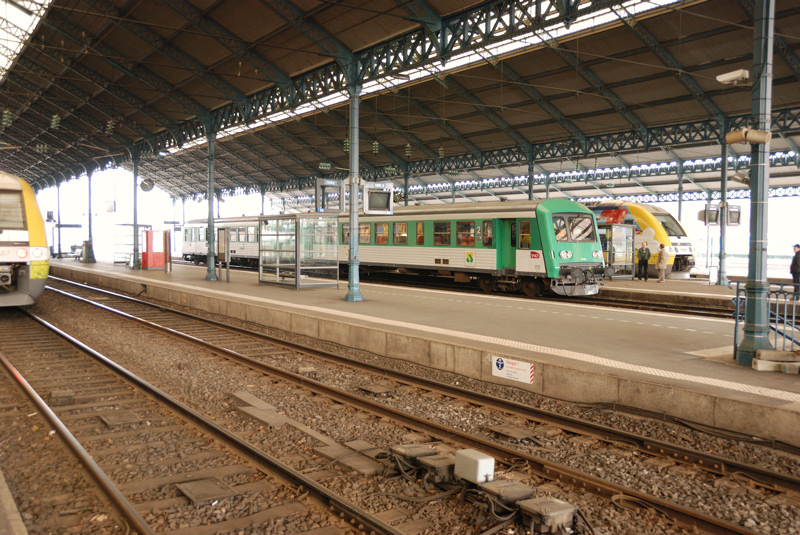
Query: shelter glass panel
column 300, row 249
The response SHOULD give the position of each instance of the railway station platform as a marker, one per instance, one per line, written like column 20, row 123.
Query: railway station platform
column 679, row 366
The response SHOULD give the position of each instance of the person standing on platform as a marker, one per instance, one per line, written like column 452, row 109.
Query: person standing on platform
column 643, row 257
column 661, row 263
column 795, row 271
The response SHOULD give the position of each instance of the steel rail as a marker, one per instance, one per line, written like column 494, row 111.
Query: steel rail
column 121, row 503
column 705, row 461
column 552, row 471
column 359, row 517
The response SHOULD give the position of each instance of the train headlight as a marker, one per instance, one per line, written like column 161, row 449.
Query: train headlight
column 22, row 253
column 563, row 255
column 596, row 254
column 37, row 253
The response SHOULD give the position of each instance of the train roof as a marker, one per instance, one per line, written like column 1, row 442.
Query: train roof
column 432, row 209
column 616, row 204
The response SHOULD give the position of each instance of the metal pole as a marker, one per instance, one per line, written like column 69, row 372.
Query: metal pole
column 211, row 274
column 531, row 163
column 756, row 318
column 353, row 285
column 136, row 262
column 88, row 255
column 58, row 203
column 722, row 279
column 406, row 176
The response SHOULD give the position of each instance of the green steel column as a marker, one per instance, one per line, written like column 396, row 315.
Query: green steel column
column 722, row 279
column 353, row 284
column 531, row 163
column 137, row 264
column 406, row 177
column 58, row 206
column 88, row 254
column 211, row 272
column 756, row 318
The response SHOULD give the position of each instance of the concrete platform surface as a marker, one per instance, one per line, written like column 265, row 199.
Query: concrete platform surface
column 678, row 365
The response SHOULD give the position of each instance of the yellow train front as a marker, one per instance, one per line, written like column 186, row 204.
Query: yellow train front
column 24, row 253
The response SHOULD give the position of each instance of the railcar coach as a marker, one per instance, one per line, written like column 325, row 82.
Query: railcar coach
column 532, row 246
column 24, row 253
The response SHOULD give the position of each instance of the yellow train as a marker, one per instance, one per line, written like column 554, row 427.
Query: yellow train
column 24, row 254
column 653, row 225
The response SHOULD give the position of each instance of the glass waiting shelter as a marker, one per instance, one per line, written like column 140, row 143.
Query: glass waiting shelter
column 299, row 250
column 618, row 249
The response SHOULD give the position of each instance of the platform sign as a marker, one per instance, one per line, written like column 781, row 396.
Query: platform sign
column 514, row 370
column 329, row 196
column 378, row 198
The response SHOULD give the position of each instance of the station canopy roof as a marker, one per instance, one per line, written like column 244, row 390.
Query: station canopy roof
column 460, row 100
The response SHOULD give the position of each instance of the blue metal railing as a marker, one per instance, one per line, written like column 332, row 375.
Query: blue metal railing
column 782, row 305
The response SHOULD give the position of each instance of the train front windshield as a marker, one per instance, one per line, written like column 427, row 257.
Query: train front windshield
column 12, row 216
column 671, row 225
column 574, row 227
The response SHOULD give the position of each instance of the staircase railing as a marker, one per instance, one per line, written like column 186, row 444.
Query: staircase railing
column 782, row 303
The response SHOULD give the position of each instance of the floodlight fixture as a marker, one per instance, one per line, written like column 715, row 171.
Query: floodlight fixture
column 739, row 76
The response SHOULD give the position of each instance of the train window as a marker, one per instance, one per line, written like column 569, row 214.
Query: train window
column 524, row 234
column 11, row 213
column 187, row 234
column 441, row 232
column 363, row 233
column 242, row 234
column 671, row 226
column 465, row 233
column 345, row 234
column 202, row 235
column 560, row 228
column 382, row 233
column 420, row 233
column 581, row 227
column 251, row 234
column 400, row 233
column 487, row 233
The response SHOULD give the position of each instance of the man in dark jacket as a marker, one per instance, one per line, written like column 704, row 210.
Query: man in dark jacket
column 643, row 256
column 795, row 270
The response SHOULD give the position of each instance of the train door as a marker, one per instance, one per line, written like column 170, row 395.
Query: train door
column 507, row 241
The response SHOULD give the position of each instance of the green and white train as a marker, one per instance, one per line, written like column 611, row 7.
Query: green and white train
column 533, row 246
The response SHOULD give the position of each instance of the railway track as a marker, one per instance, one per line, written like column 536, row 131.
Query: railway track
column 235, row 344
column 164, row 466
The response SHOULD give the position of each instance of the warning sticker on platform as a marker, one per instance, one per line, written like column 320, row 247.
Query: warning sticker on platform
column 515, row 370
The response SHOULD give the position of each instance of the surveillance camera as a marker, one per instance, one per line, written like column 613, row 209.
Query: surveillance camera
column 736, row 77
